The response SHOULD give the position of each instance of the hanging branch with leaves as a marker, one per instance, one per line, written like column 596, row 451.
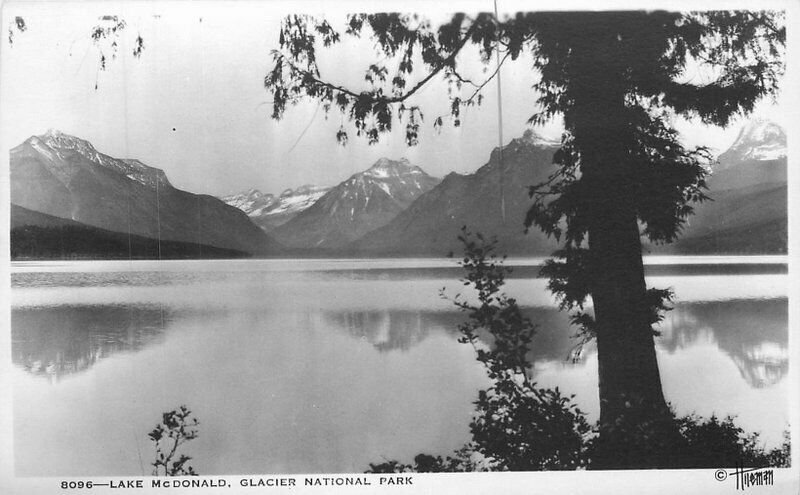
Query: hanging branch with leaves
column 402, row 39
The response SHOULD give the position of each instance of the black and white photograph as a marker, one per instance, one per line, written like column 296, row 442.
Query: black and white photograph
column 475, row 246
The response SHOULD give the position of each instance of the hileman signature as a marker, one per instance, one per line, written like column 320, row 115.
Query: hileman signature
column 746, row 477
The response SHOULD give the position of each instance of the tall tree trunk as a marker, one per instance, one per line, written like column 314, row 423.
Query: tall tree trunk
column 636, row 426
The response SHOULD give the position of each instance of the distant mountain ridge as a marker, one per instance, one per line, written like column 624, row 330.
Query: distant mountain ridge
column 66, row 177
column 269, row 211
column 251, row 201
column 365, row 201
column 493, row 201
column 758, row 139
column 748, row 211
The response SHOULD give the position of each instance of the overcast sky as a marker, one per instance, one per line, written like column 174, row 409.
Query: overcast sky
column 194, row 104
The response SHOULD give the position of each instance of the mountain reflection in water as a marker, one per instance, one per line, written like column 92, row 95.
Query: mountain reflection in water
column 753, row 332
column 59, row 340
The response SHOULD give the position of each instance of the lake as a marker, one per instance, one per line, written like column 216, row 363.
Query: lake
column 321, row 366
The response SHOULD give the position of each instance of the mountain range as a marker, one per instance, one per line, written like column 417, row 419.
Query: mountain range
column 748, row 187
column 493, row 200
column 362, row 203
column 269, row 211
column 747, row 213
column 65, row 177
column 392, row 208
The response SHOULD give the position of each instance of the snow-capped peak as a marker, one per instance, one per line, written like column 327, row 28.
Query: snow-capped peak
column 537, row 139
column 251, row 201
column 308, row 189
column 58, row 140
column 251, row 194
column 297, row 200
column 56, row 147
column 385, row 168
column 758, row 140
column 290, row 201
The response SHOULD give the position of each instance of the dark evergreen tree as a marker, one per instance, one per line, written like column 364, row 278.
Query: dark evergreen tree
column 617, row 78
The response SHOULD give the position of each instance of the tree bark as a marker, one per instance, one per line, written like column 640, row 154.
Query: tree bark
column 636, row 426
column 637, row 429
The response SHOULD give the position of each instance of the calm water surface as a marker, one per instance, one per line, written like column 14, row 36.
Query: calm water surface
column 328, row 365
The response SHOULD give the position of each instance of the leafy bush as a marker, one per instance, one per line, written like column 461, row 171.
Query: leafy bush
column 517, row 425
column 715, row 443
column 176, row 428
